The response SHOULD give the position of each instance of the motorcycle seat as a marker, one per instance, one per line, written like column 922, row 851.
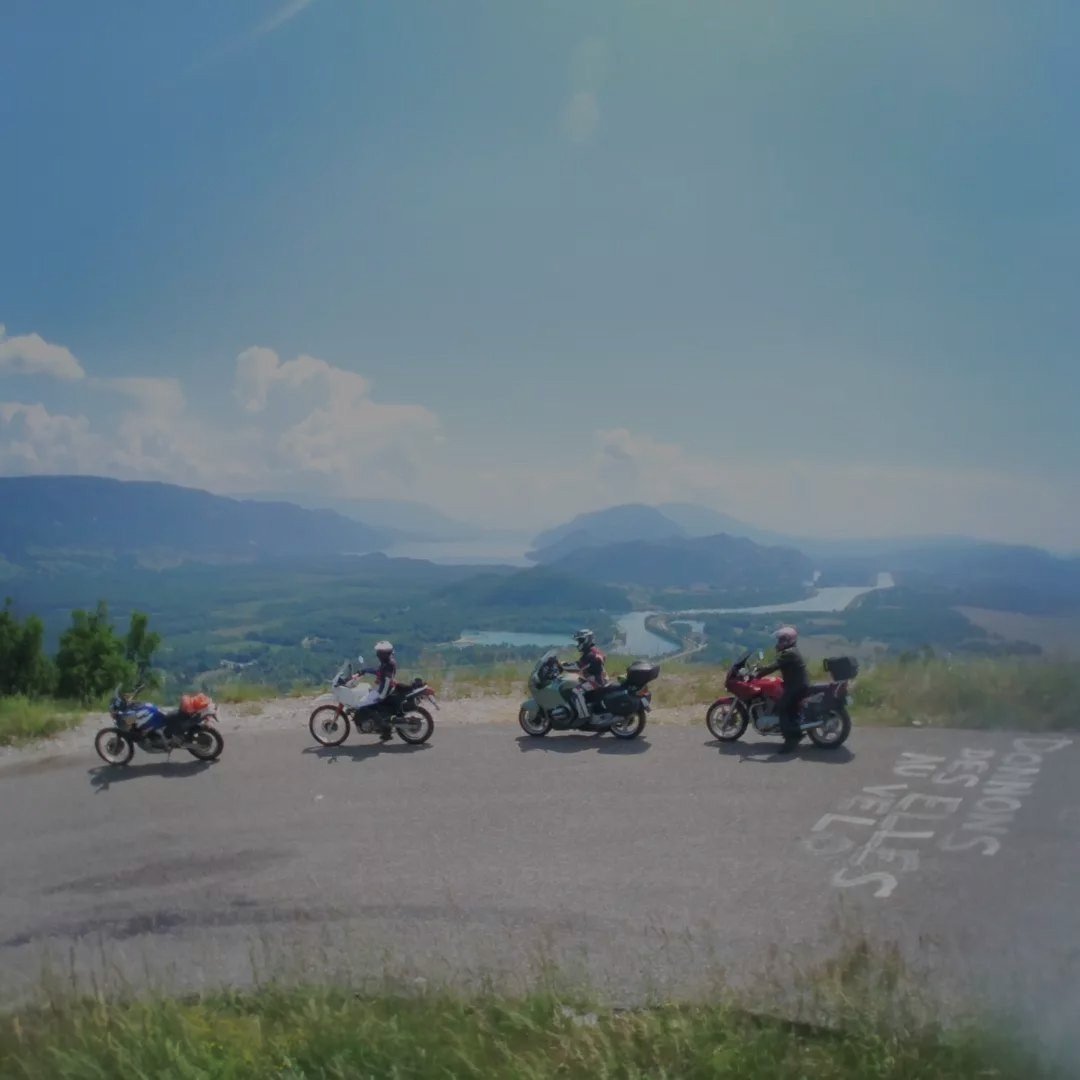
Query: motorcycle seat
column 816, row 688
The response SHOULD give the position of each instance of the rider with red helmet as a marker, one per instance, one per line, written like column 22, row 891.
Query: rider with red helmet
column 792, row 668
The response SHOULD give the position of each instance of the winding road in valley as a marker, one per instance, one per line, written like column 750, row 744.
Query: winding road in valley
column 648, row 865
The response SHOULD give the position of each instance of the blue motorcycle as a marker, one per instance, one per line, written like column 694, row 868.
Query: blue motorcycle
column 159, row 731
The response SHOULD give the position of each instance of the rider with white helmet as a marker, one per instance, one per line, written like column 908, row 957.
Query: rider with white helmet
column 385, row 679
column 792, row 667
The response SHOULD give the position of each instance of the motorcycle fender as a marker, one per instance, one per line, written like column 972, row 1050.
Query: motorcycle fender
column 530, row 709
column 729, row 700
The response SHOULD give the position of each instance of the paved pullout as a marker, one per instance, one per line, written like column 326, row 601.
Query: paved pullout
column 650, row 864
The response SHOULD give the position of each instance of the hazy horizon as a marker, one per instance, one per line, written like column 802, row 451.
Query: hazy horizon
column 815, row 267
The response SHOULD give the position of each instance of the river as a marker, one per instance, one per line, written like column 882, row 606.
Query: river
column 641, row 641
column 830, row 599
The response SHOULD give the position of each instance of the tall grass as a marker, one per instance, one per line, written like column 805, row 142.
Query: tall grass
column 326, row 1031
column 23, row 719
column 1029, row 695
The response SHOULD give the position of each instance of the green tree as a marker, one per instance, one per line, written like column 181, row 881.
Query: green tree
column 24, row 666
column 92, row 659
column 139, row 647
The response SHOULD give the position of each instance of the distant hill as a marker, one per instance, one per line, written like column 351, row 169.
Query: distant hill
column 1001, row 577
column 87, row 519
column 721, row 561
column 402, row 519
column 537, row 587
column 697, row 520
column 616, row 524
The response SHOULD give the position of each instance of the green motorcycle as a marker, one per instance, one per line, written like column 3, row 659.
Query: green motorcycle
column 621, row 707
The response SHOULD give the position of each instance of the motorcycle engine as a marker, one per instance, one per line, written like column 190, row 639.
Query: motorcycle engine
column 560, row 712
column 763, row 718
column 366, row 726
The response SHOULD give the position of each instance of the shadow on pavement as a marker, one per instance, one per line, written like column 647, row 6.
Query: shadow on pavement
column 104, row 776
column 363, row 751
column 769, row 751
column 573, row 744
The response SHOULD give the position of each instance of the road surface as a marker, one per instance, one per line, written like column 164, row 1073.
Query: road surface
column 651, row 865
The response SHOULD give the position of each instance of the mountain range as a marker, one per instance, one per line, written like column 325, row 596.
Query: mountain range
column 80, row 518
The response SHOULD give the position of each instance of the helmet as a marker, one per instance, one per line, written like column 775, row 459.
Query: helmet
column 383, row 649
column 585, row 639
column 786, row 637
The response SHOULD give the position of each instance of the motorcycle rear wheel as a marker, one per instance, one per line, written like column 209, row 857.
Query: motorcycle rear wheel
column 536, row 727
column 204, row 743
column 834, row 732
column 329, row 725
column 629, row 727
column 417, row 728
column 727, row 721
column 113, row 746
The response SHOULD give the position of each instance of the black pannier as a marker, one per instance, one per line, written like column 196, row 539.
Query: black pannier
column 842, row 667
column 641, row 672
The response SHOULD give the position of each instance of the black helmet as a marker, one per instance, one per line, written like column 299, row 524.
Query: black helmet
column 585, row 639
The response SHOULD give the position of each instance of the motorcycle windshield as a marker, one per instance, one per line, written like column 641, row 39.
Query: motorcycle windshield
column 542, row 661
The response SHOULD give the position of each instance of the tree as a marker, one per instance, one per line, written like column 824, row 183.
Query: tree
column 139, row 647
column 24, row 667
column 92, row 660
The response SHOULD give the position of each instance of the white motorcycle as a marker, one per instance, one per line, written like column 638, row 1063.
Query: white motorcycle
column 399, row 712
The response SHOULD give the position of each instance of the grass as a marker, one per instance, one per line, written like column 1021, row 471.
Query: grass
column 1027, row 695
column 329, row 1031
column 242, row 693
column 24, row 719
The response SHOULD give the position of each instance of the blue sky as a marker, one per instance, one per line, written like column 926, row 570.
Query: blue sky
column 815, row 265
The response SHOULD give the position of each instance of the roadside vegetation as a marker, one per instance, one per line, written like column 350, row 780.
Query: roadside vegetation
column 859, row 1017
column 23, row 719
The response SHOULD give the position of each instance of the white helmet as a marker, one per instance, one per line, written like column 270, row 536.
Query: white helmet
column 383, row 648
column 786, row 637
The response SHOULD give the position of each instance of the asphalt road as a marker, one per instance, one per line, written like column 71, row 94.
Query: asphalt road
column 654, row 864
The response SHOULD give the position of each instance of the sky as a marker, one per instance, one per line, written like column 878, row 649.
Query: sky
column 815, row 265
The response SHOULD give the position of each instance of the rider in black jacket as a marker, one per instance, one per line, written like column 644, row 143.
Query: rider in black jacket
column 792, row 667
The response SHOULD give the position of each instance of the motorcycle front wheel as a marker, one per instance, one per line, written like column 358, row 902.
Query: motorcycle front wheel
column 417, row 726
column 629, row 727
column 204, row 743
column 329, row 725
column 834, row 730
column 726, row 721
column 113, row 746
column 536, row 726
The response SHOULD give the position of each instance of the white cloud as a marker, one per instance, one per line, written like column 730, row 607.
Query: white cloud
column 30, row 354
column 581, row 116
column 296, row 423
column 32, row 440
column 589, row 68
column 323, row 421
column 259, row 372
column 279, row 18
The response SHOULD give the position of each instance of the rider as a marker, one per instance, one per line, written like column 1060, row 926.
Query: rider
column 792, row 667
column 590, row 664
column 385, row 680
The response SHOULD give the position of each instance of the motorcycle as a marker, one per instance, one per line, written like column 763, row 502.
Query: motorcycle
column 158, row 731
column 620, row 708
column 399, row 712
column 823, row 713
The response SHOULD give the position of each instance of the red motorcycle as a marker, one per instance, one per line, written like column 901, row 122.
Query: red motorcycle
column 823, row 712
